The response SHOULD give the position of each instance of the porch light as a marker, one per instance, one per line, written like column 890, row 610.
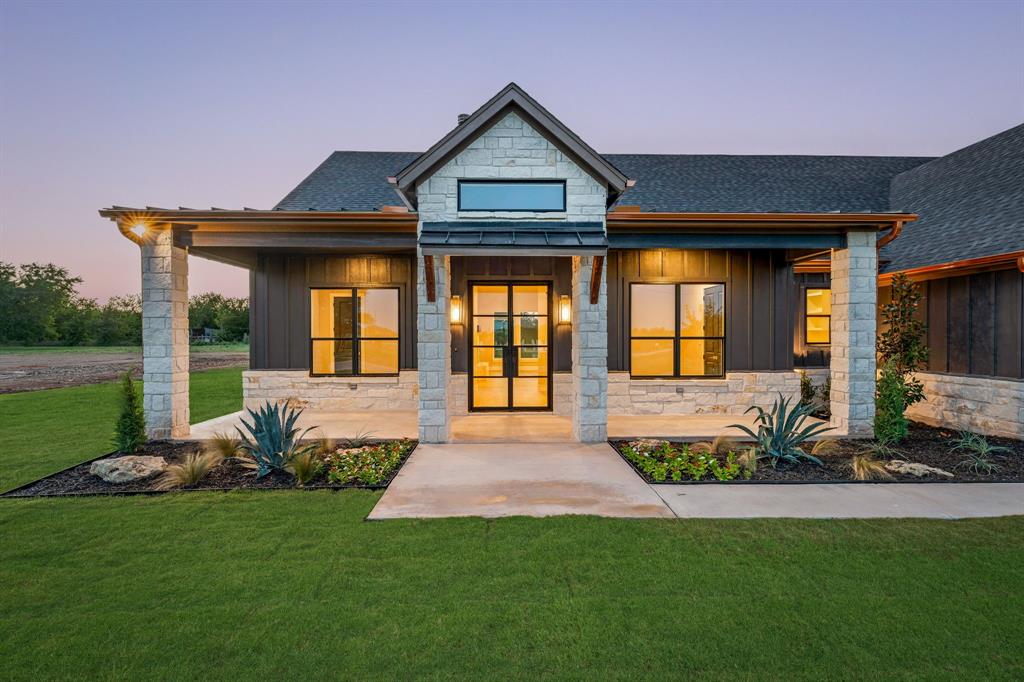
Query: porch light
column 138, row 229
column 564, row 309
column 456, row 309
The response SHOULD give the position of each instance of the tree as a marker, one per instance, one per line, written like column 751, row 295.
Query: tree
column 31, row 298
column 203, row 310
column 130, row 430
column 233, row 320
column 902, row 341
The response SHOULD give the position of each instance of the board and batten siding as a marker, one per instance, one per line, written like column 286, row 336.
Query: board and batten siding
column 758, row 303
column 279, row 286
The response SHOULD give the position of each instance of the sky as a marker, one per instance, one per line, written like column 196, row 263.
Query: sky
column 231, row 104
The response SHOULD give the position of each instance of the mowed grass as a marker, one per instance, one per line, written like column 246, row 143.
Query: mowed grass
column 296, row 585
column 45, row 431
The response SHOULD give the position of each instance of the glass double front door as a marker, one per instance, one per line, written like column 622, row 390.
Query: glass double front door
column 510, row 367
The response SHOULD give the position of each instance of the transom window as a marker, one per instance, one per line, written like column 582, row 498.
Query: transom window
column 677, row 330
column 354, row 331
column 818, row 316
column 506, row 195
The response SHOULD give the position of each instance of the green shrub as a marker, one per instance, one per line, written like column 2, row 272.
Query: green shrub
column 825, row 396
column 130, row 430
column 979, row 452
column 782, row 431
column 368, row 464
column 662, row 460
column 890, row 402
column 902, row 339
column 273, row 439
column 808, row 394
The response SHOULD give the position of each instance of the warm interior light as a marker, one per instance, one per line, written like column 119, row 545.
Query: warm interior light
column 564, row 309
column 138, row 229
column 456, row 310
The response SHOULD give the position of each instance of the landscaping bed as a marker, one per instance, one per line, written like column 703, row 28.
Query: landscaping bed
column 924, row 444
column 376, row 464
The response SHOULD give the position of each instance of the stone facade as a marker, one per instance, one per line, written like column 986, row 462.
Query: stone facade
column 731, row 395
column 994, row 407
column 433, row 353
column 589, row 354
column 854, row 304
column 165, row 335
column 297, row 388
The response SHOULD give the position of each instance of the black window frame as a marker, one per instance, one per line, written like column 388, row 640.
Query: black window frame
column 677, row 336
column 513, row 181
column 356, row 339
column 807, row 316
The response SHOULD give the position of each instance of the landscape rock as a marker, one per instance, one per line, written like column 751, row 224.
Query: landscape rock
column 646, row 444
column 127, row 469
column 899, row 466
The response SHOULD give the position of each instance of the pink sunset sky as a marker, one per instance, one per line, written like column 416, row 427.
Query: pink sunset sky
column 232, row 104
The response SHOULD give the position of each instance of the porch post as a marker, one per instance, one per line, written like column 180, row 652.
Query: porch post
column 854, row 303
column 589, row 354
column 164, row 334
column 433, row 350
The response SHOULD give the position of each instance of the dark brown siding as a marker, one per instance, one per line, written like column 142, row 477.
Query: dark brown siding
column 803, row 354
column 279, row 288
column 758, row 290
column 555, row 270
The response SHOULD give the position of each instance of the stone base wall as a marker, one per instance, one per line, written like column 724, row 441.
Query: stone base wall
column 331, row 393
column 994, row 407
column 561, row 394
column 731, row 395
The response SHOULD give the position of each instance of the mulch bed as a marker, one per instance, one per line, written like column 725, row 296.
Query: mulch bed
column 228, row 475
column 924, row 445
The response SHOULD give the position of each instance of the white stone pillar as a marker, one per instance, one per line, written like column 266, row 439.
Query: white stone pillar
column 854, row 306
column 165, row 334
column 433, row 351
column 589, row 354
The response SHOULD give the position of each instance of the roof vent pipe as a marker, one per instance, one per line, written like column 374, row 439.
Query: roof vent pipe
column 462, row 118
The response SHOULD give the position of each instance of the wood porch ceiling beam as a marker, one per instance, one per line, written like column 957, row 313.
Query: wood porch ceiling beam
column 595, row 279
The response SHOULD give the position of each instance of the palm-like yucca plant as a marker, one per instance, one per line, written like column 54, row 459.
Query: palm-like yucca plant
column 273, row 438
column 782, row 431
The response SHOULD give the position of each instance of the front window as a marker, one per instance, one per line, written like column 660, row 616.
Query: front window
column 818, row 315
column 484, row 195
column 354, row 331
column 677, row 330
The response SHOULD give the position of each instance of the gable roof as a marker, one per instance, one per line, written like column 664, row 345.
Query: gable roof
column 514, row 98
column 348, row 181
column 970, row 203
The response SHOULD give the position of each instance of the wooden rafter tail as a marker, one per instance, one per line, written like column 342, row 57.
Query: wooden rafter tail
column 595, row 279
column 428, row 277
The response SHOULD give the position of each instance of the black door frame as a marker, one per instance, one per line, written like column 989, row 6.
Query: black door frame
column 510, row 347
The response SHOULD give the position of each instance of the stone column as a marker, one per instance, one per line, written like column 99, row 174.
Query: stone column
column 589, row 354
column 165, row 334
column 433, row 352
column 854, row 306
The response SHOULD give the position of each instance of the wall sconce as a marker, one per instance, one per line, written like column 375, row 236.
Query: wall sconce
column 564, row 309
column 455, row 309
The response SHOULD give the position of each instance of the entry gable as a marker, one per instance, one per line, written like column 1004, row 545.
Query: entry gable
column 511, row 100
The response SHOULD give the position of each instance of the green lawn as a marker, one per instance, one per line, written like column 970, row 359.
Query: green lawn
column 196, row 348
column 295, row 585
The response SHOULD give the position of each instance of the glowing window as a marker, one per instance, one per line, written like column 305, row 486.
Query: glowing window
column 677, row 330
column 353, row 331
column 818, row 316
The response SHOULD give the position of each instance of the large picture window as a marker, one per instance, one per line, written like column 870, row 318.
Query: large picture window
column 818, row 316
column 354, row 331
column 677, row 330
column 504, row 195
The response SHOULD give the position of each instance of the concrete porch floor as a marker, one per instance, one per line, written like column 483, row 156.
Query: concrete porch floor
column 495, row 427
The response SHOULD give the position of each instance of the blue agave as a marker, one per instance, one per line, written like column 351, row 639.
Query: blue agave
column 781, row 431
column 273, row 439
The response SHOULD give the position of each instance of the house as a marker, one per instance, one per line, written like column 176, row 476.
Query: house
column 511, row 267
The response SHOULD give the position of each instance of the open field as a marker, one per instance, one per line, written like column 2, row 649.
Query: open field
column 31, row 369
column 296, row 585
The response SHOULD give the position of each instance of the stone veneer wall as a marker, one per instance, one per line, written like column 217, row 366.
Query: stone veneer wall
column 165, row 335
column 433, row 352
column 589, row 353
column 297, row 388
column 731, row 395
column 994, row 407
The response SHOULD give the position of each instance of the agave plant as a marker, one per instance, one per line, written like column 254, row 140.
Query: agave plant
column 782, row 431
column 273, row 439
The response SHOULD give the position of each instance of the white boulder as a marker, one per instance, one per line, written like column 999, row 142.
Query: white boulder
column 127, row 469
column 899, row 466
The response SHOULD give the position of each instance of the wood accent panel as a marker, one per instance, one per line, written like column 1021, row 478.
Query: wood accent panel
column 428, row 276
column 595, row 280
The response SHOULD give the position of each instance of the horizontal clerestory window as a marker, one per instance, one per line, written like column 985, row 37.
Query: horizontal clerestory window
column 511, row 195
column 677, row 330
column 354, row 331
column 818, row 316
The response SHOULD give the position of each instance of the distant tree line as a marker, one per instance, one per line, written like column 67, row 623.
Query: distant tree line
column 40, row 305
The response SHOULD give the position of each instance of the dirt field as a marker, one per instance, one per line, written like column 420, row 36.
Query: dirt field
column 36, row 371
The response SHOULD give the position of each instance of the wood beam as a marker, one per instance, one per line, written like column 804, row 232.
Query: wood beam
column 428, row 278
column 595, row 279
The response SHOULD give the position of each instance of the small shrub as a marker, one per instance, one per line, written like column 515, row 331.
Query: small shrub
column 662, row 461
column 360, row 439
column 902, row 339
column 193, row 469
column 890, row 402
column 979, row 452
column 721, row 445
column 867, row 468
column 305, row 467
column 808, row 394
column 825, row 447
column 226, row 445
column 781, row 432
column 130, row 430
column 825, row 397
column 273, row 439
column 368, row 464
column 748, row 462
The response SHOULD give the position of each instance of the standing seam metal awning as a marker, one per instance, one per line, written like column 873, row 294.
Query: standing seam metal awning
column 536, row 237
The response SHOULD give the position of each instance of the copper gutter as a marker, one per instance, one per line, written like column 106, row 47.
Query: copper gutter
column 960, row 267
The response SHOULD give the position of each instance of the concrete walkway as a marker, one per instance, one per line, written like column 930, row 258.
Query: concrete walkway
column 544, row 479
column 849, row 501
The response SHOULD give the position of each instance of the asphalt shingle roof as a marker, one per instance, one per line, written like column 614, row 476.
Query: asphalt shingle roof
column 349, row 181
column 970, row 203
